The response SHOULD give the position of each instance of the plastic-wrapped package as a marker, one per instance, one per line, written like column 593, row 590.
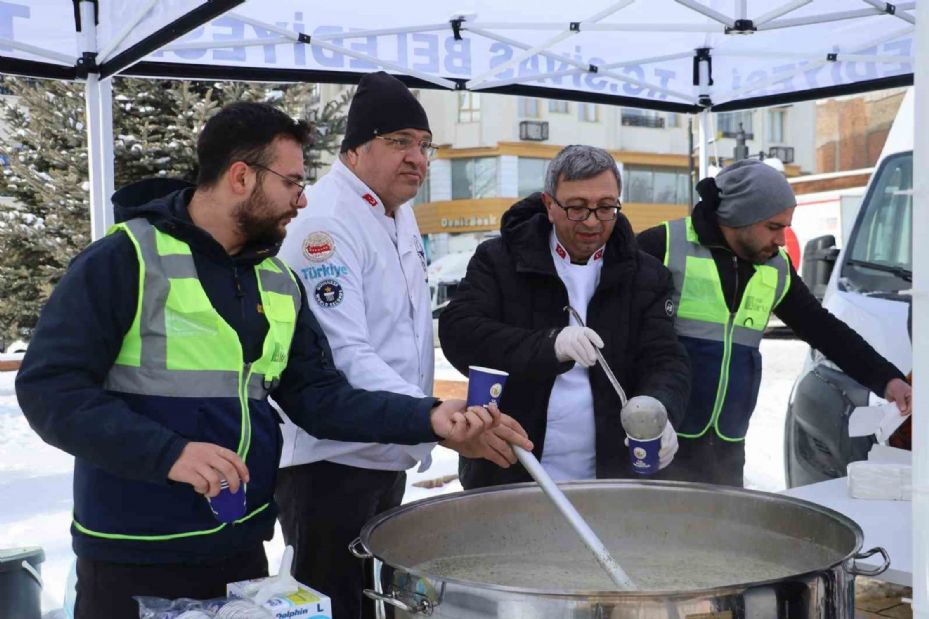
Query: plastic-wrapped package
column 874, row 480
column 886, row 474
column 185, row 608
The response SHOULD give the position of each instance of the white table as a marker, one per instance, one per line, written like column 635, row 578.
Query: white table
column 888, row 524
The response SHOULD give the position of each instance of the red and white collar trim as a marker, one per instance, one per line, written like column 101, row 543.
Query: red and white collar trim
column 559, row 252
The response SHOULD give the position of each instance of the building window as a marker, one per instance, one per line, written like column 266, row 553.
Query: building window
column 656, row 186
column 634, row 117
column 469, row 107
column 558, row 107
column 588, row 112
column 777, row 123
column 672, row 120
column 474, row 178
column 727, row 123
column 528, row 107
column 531, row 175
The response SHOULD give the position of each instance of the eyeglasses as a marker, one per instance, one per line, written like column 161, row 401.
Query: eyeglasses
column 403, row 144
column 300, row 186
column 582, row 213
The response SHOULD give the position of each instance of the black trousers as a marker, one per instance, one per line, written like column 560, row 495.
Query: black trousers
column 105, row 590
column 709, row 460
column 323, row 506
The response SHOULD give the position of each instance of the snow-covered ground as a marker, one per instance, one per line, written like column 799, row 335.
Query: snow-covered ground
column 35, row 479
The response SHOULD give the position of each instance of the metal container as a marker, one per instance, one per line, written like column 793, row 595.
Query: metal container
column 695, row 550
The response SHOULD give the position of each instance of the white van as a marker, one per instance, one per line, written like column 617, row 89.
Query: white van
column 869, row 286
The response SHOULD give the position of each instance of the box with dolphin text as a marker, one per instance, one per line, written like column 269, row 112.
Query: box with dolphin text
column 305, row 603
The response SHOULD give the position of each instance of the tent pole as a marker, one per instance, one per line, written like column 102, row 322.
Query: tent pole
column 703, row 136
column 920, row 422
column 691, row 181
column 99, row 120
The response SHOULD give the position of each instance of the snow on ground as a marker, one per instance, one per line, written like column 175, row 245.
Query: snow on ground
column 35, row 478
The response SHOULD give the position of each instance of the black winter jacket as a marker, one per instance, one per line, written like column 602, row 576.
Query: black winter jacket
column 799, row 309
column 80, row 333
column 509, row 308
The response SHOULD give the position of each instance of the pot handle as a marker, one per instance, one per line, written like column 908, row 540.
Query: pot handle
column 358, row 549
column 423, row 607
column 861, row 571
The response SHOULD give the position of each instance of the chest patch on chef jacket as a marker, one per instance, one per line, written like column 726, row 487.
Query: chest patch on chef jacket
column 328, row 293
column 318, row 246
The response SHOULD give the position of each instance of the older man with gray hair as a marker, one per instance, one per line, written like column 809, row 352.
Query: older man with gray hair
column 569, row 245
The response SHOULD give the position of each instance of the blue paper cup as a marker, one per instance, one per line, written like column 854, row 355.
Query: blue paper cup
column 644, row 454
column 227, row 506
column 485, row 386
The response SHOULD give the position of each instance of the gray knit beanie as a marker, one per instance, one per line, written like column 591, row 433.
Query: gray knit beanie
column 751, row 191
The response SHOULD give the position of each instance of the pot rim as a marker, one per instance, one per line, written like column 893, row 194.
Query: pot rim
column 381, row 518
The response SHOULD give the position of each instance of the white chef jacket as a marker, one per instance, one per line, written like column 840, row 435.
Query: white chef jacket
column 365, row 280
column 570, row 450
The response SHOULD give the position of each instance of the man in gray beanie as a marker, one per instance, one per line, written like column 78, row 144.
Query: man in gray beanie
column 360, row 255
column 730, row 275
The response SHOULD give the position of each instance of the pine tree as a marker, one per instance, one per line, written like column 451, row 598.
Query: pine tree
column 47, row 222
column 155, row 125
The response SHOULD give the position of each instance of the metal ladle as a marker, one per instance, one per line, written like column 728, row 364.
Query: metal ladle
column 603, row 364
column 554, row 493
column 590, row 539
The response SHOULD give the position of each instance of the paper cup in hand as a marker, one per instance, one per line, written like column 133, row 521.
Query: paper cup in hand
column 485, row 386
column 644, row 419
column 644, row 454
column 226, row 506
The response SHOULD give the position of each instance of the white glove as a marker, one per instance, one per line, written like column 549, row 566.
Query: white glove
column 668, row 446
column 577, row 344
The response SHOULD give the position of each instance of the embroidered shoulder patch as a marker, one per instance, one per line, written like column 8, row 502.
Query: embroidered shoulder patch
column 328, row 293
column 318, row 246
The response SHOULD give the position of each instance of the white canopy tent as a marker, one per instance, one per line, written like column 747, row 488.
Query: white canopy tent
column 688, row 56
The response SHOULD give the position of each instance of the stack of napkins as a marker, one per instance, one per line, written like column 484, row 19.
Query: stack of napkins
column 886, row 475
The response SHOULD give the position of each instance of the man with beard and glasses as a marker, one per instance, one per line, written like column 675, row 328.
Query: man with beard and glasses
column 153, row 361
column 730, row 275
column 360, row 255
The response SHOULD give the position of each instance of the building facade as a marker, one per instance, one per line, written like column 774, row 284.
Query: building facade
column 495, row 148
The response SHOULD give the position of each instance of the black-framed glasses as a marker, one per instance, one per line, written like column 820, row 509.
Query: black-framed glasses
column 300, row 186
column 582, row 213
column 403, row 143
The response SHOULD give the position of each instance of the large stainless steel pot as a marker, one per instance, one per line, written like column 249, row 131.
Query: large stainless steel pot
column 505, row 552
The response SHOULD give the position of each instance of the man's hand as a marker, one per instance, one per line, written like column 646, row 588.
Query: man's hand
column 494, row 444
column 451, row 420
column 205, row 465
column 577, row 344
column 669, row 446
column 901, row 393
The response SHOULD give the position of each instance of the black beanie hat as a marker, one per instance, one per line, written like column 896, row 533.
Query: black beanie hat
column 381, row 104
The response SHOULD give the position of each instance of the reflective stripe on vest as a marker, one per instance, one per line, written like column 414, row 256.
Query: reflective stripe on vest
column 702, row 311
column 179, row 346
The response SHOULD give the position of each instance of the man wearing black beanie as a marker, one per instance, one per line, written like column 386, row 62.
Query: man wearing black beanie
column 730, row 275
column 360, row 254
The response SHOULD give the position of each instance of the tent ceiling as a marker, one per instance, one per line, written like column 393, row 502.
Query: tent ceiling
column 645, row 53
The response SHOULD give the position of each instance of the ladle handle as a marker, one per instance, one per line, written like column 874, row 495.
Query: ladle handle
column 590, row 539
column 606, row 367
